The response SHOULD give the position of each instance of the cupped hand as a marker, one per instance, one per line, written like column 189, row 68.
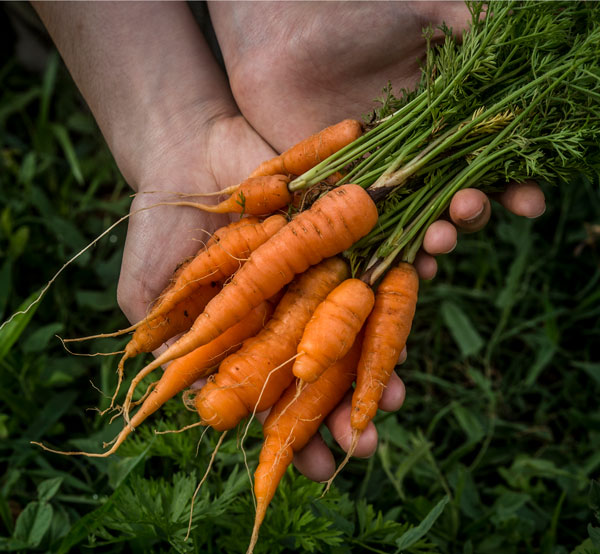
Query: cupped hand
column 194, row 157
column 294, row 71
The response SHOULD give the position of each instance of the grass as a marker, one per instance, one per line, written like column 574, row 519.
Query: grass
column 495, row 450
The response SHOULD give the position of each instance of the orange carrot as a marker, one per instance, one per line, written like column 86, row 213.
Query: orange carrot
column 332, row 224
column 255, row 376
column 291, row 424
column 312, row 150
column 386, row 331
column 256, row 196
column 220, row 233
column 332, row 329
column 199, row 362
column 219, row 261
column 185, row 371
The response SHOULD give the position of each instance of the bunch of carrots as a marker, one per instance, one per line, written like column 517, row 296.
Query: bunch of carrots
column 269, row 310
column 313, row 288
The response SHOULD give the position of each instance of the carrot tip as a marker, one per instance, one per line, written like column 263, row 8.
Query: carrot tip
column 118, row 440
column 204, row 477
column 105, row 335
column 355, row 437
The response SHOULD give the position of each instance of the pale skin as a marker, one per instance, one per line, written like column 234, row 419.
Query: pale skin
column 175, row 122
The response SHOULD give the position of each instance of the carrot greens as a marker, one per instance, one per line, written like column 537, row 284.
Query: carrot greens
column 515, row 98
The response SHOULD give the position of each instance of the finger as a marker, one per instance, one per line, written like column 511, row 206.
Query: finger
column 440, row 238
column 338, row 423
column 425, row 265
column 197, row 385
column 525, row 199
column 403, row 356
column 262, row 416
column 470, row 210
column 315, row 461
column 393, row 395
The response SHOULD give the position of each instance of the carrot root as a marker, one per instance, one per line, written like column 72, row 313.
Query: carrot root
column 104, row 335
column 204, row 477
column 355, row 436
column 185, row 428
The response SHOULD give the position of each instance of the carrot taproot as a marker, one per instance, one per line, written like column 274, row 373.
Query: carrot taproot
column 219, row 261
column 196, row 364
column 184, row 372
column 154, row 332
column 332, row 329
column 309, row 152
column 292, row 422
column 386, row 331
column 332, row 224
column 254, row 377
column 256, row 196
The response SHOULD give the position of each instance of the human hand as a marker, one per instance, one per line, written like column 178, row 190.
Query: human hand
column 196, row 157
column 290, row 84
column 469, row 211
column 294, row 83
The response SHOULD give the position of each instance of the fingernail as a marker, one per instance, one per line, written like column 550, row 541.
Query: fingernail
column 474, row 218
column 448, row 251
column 538, row 215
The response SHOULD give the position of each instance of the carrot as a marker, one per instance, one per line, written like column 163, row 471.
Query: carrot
column 183, row 372
column 312, row 150
column 220, row 233
column 217, row 236
column 291, row 424
column 196, row 364
column 256, row 196
column 255, row 376
column 219, row 261
column 156, row 331
column 334, row 222
column 332, row 329
column 386, row 331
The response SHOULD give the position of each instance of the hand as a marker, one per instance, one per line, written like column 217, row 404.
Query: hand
column 290, row 83
column 470, row 210
column 292, row 72
column 190, row 158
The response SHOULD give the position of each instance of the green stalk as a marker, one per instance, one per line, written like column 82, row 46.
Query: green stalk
column 436, row 207
column 342, row 158
column 392, row 180
column 358, row 148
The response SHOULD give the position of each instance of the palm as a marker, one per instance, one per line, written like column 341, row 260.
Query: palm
column 328, row 62
column 159, row 238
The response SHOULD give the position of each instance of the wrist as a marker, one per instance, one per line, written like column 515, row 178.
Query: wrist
column 160, row 137
column 145, row 71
